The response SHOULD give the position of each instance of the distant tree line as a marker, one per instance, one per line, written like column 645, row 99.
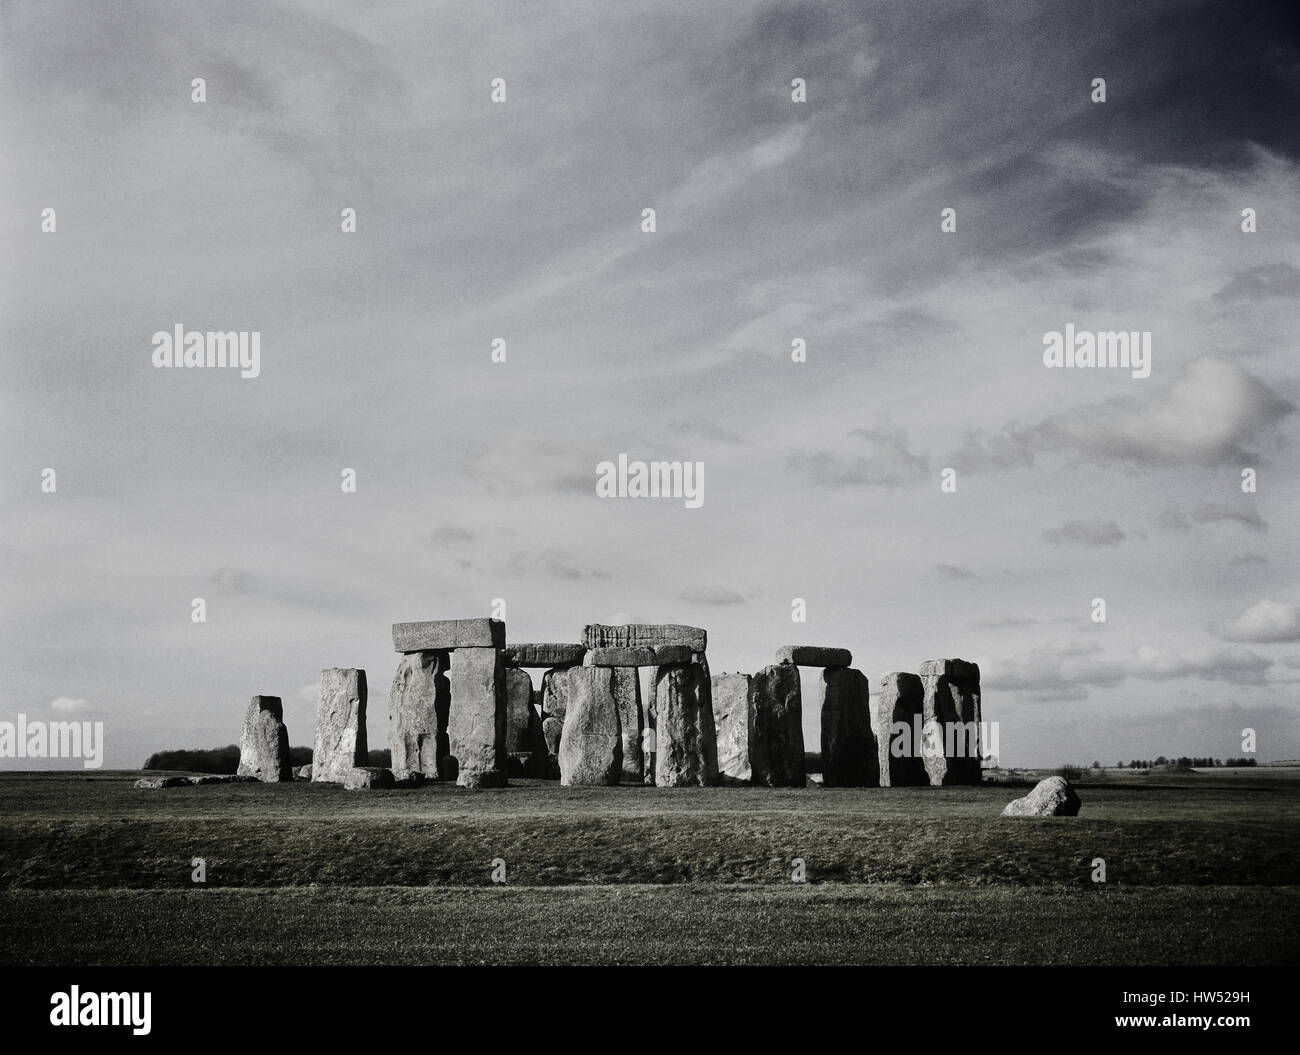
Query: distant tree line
column 226, row 759
column 1182, row 760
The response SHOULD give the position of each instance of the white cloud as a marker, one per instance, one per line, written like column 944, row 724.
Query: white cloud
column 67, row 703
column 1266, row 621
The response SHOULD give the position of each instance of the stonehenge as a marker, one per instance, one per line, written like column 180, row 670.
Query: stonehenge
column 950, row 715
column 463, row 707
column 849, row 755
column 264, row 742
column 340, row 724
column 898, row 706
column 591, row 743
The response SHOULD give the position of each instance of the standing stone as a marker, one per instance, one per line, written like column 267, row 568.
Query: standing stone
column 417, row 712
column 732, row 721
column 524, row 741
column 950, row 713
column 686, row 747
column 849, row 758
column 898, row 750
column 591, row 746
column 627, row 698
column 776, row 744
column 340, row 724
column 476, row 725
column 264, row 742
column 555, row 691
column 552, row 731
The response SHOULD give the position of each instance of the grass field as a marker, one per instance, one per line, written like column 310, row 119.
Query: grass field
column 1198, row 870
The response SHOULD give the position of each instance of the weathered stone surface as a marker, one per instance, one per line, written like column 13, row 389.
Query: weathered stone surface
column 442, row 634
column 732, row 723
column 849, row 758
column 363, row 778
column 950, row 715
column 899, row 749
column 302, row 772
column 552, row 729
column 340, row 724
column 555, row 692
column 621, row 657
column 222, row 778
column 543, row 655
column 647, row 635
column 264, row 742
column 591, row 746
column 409, row 778
column 418, row 708
column 1053, row 797
column 776, row 745
column 814, row 656
column 476, row 726
column 626, row 686
column 686, row 747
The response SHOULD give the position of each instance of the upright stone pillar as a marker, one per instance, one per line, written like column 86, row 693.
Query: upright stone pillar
column 776, row 748
column 732, row 722
column 476, row 728
column 631, row 720
column 896, row 723
column 264, row 742
column 591, row 744
column 340, row 725
column 525, row 745
column 686, row 749
column 951, row 716
column 849, row 758
column 418, row 707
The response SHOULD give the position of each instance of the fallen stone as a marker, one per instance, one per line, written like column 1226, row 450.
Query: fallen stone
column 302, row 772
column 264, row 742
column 222, row 778
column 363, row 778
column 849, row 758
column 591, row 746
column 626, row 686
column 476, row 726
column 153, row 783
column 895, row 722
column 418, row 707
column 644, row 635
column 732, row 723
column 1053, row 797
column 340, row 724
column 814, row 656
column 443, row 634
column 543, row 655
column 409, row 778
column 950, row 717
column 776, row 747
column 686, row 747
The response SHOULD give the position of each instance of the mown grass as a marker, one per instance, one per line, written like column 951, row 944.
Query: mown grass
column 94, row 871
column 653, row 925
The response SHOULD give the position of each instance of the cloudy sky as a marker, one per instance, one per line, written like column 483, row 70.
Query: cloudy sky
column 775, row 220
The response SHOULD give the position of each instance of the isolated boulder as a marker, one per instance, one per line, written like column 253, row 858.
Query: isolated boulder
column 1052, row 797
column 363, row 778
